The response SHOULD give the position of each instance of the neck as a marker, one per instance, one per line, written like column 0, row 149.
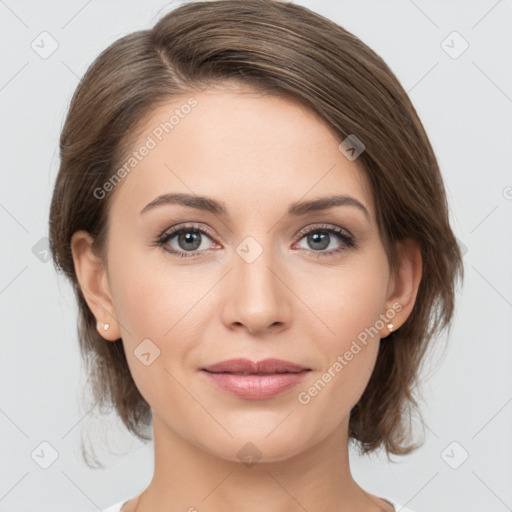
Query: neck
column 187, row 477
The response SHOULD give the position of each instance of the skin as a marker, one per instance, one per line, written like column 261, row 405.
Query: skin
column 257, row 154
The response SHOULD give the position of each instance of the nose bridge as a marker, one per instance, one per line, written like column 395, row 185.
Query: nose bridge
column 256, row 294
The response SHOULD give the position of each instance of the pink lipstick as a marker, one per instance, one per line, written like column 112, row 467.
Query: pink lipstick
column 255, row 380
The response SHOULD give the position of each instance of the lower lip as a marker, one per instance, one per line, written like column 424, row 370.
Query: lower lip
column 256, row 387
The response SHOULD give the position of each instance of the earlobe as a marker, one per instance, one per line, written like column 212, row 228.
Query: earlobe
column 403, row 287
column 93, row 281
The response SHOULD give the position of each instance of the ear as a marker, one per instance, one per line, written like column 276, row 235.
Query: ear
column 403, row 287
column 93, row 280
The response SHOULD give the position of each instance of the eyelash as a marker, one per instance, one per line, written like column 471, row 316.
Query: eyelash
column 347, row 239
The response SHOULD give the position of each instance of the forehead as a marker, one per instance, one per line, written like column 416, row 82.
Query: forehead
column 241, row 146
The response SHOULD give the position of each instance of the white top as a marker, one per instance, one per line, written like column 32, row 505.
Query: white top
column 117, row 506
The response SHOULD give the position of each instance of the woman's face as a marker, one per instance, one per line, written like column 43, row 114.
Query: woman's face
column 269, row 276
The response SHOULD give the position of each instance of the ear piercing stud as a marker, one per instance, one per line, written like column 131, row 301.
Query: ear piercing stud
column 105, row 326
column 390, row 327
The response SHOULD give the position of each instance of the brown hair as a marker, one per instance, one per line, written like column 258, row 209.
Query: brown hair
column 286, row 50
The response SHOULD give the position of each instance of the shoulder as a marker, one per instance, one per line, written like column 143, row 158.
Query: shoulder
column 398, row 507
column 114, row 508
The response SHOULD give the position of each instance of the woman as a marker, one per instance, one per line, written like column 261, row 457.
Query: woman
column 321, row 262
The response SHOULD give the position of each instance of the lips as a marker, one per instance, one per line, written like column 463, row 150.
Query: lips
column 255, row 380
column 247, row 367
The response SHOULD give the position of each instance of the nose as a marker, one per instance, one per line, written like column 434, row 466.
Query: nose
column 257, row 296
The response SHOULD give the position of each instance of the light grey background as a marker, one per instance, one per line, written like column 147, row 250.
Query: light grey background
column 465, row 104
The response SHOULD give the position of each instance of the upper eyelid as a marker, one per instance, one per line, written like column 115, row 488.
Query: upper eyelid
column 323, row 226
column 174, row 230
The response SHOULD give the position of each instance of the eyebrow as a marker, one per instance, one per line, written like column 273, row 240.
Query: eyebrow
column 219, row 208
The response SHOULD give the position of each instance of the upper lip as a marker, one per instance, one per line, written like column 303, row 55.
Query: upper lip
column 264, row 366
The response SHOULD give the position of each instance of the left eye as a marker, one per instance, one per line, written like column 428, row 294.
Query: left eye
column 321, row 239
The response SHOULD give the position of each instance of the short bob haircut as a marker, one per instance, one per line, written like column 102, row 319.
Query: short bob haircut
column 284, row 50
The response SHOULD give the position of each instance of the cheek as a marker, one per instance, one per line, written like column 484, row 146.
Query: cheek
column 154, row 303
column 348, row 356
column 151, row 292
column 147, row 309
column 140, row 301
column 348, row 302
column 349, row 298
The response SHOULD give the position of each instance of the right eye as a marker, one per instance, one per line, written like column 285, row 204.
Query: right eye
column 185, row 239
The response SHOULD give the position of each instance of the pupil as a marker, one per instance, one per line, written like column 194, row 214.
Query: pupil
column 190, row 237
column 319, row 238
